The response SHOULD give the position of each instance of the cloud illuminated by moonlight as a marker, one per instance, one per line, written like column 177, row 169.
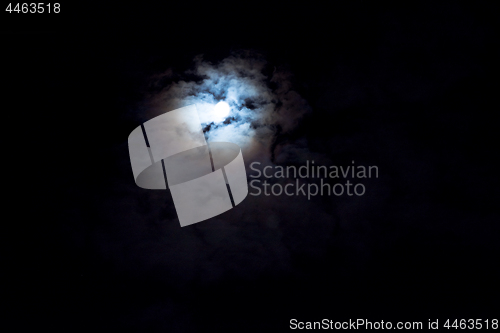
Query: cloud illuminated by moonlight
column 259, row 104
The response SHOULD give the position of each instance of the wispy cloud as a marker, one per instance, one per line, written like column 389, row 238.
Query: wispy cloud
column 260, row 104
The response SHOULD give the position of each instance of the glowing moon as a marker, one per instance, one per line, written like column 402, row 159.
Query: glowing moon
column 221, row 110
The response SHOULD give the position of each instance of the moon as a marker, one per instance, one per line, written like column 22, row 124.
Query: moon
column 221, row 111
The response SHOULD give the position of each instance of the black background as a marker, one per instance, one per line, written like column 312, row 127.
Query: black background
column 421, row 79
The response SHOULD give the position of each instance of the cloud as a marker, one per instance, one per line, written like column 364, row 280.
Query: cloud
column 258, row 110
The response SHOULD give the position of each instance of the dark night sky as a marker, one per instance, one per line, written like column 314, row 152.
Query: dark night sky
column 411, row 89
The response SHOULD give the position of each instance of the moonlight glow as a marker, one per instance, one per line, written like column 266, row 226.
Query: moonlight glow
column 235, row 87
column 221, row 111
